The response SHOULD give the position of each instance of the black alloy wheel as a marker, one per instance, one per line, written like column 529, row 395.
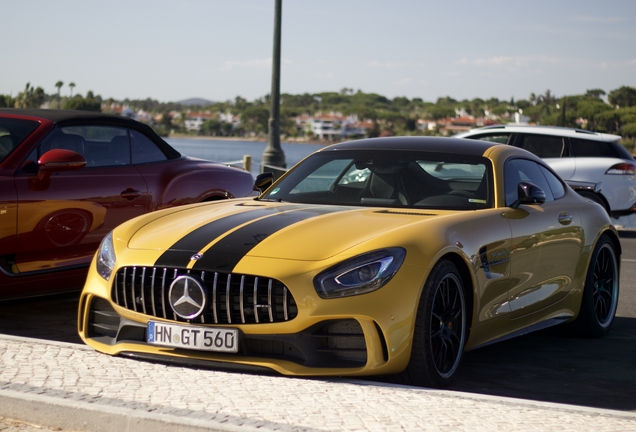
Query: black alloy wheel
column 440, row 329
column 600, row 294
column 447, row 323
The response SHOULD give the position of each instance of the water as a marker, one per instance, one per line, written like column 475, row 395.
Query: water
column 233, row 151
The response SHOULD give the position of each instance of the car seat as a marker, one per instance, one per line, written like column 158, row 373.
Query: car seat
column 119, row 151
column 7, row 144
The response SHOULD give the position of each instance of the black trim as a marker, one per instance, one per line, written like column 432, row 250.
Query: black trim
column 225, row 255
column 179, row 254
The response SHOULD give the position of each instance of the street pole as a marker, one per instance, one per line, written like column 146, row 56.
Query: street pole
column 273, row 154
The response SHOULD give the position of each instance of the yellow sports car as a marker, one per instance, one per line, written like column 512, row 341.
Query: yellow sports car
column 371, row 257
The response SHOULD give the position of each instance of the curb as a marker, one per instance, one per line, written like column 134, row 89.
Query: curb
column 83, row 416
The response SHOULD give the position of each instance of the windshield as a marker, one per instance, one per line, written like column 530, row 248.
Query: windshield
column 12, row 133
column 388, row 178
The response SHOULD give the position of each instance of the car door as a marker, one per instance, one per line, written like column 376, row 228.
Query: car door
column 63, row 217
column 8, row 217
column 545, row 240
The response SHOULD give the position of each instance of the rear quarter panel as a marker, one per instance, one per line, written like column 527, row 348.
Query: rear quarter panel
column 186, row 181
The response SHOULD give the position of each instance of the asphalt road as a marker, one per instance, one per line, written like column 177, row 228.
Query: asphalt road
column 544, row 366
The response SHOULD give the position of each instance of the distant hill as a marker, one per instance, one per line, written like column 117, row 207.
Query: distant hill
column 195, row 101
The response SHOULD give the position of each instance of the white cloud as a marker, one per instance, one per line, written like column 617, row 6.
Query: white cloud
column 388, row 65
column 598, row 19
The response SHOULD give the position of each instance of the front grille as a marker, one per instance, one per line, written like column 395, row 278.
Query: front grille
column 232, row 298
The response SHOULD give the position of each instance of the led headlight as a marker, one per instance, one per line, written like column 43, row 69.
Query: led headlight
column 106, row 259
column 359, row 275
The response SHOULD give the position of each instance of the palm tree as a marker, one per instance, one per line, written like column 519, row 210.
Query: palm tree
column 59, row 85
column 71, row 85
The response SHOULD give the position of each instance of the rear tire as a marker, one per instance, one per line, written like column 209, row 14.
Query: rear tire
column 440, row 329
column 600, row 294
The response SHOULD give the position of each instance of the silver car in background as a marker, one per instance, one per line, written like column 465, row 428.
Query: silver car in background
column 596, row 165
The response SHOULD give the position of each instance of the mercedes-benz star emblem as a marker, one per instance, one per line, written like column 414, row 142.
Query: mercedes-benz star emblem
column 187, row 297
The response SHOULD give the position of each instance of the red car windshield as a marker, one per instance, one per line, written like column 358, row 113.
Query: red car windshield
column 12, row 133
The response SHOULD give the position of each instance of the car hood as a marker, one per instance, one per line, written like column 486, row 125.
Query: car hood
column 275, row 230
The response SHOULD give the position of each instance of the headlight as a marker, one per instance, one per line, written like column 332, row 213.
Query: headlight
column 106, row 257
column 359, row 275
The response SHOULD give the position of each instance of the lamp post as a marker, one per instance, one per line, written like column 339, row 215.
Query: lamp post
column 273, row 154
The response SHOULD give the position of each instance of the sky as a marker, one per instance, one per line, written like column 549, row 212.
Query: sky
column 171, row 50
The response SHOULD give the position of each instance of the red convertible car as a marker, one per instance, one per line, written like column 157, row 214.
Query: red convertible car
column 67, row 178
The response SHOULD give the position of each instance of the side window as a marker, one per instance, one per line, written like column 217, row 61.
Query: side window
column 591, row 148
column 544, row 146
column 144, row 150
column 558, row 190
column 523, row 170
column 12, row 133
column 100, row 145
column 501, row 138
column 322, row 179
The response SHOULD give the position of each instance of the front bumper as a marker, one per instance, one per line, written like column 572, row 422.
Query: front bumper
column 369, row 334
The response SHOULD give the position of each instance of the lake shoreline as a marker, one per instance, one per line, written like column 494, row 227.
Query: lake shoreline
column 250, row 139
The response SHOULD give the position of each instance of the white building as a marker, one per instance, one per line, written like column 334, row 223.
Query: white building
column 194, row 120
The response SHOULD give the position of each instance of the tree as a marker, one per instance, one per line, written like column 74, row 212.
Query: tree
column 30, row 97
column 629, row 130
column 6, row 101
column 211, row 127
column 82, row 104
column 623, row 97
column 438, row 112
column 72, row 86
column 590, row 110
column 59, row 85
column 595, row 93
column 240, row 103
column 255, row 119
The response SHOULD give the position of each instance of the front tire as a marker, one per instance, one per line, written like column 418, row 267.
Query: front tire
column 600, row 294
column 440, row 329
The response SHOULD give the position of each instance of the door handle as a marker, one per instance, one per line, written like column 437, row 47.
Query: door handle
column 130, row 194
column 565, row 218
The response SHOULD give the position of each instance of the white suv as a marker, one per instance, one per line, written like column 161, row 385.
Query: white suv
column 596, row 165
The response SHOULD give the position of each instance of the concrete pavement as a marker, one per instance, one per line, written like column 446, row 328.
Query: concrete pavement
column 72, row 387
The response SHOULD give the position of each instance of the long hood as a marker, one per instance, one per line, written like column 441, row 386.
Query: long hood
column 224, row 233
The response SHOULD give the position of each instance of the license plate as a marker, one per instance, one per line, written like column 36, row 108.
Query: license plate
column 193, row 337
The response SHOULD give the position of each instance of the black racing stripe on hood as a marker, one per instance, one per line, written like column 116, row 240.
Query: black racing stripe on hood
column 179, row 254
column 225, row 255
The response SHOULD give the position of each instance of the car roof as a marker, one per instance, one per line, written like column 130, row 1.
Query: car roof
column 546, row 130
column 434, row 144
column 62, row 117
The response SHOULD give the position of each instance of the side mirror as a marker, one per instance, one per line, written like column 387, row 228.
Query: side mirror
column 529, row 194
column 263, row 181
column 58, row 160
